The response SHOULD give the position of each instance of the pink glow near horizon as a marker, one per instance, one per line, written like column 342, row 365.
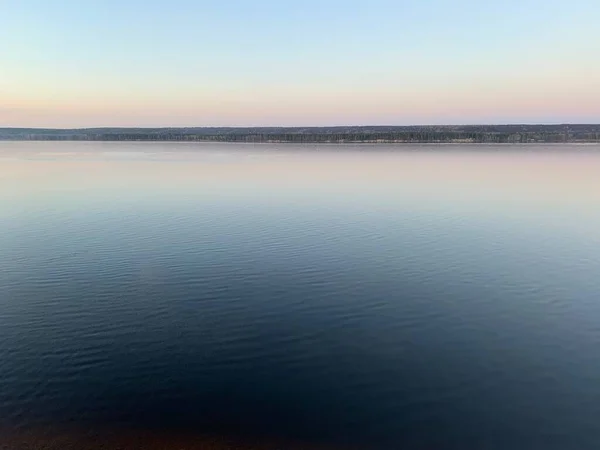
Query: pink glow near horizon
column 455, row 63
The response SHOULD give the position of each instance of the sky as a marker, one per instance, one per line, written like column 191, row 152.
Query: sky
column 84, row 63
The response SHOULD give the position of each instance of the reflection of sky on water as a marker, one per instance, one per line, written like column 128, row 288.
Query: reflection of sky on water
column 495, row 179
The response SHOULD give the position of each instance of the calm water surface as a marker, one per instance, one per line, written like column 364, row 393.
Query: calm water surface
column 374, row 296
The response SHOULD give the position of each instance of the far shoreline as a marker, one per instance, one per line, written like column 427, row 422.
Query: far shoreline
column 348, row 135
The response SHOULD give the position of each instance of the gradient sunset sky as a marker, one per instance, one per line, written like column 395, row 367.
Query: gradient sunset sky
column 83, row 63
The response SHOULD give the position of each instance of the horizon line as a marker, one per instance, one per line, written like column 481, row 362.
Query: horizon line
column 565, row 124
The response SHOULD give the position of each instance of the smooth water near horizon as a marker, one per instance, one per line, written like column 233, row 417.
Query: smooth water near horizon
column 383, row 297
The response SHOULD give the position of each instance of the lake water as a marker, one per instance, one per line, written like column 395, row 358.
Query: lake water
column 373, row 297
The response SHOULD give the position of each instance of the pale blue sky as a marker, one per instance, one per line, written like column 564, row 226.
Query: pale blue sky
column 265, row 62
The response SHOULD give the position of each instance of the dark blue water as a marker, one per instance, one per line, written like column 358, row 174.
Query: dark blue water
column 414, row 298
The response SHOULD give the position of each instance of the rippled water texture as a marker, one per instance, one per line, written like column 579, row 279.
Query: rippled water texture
column 377, row 297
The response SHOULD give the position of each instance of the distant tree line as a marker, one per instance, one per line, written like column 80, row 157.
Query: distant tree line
column 499, row 134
